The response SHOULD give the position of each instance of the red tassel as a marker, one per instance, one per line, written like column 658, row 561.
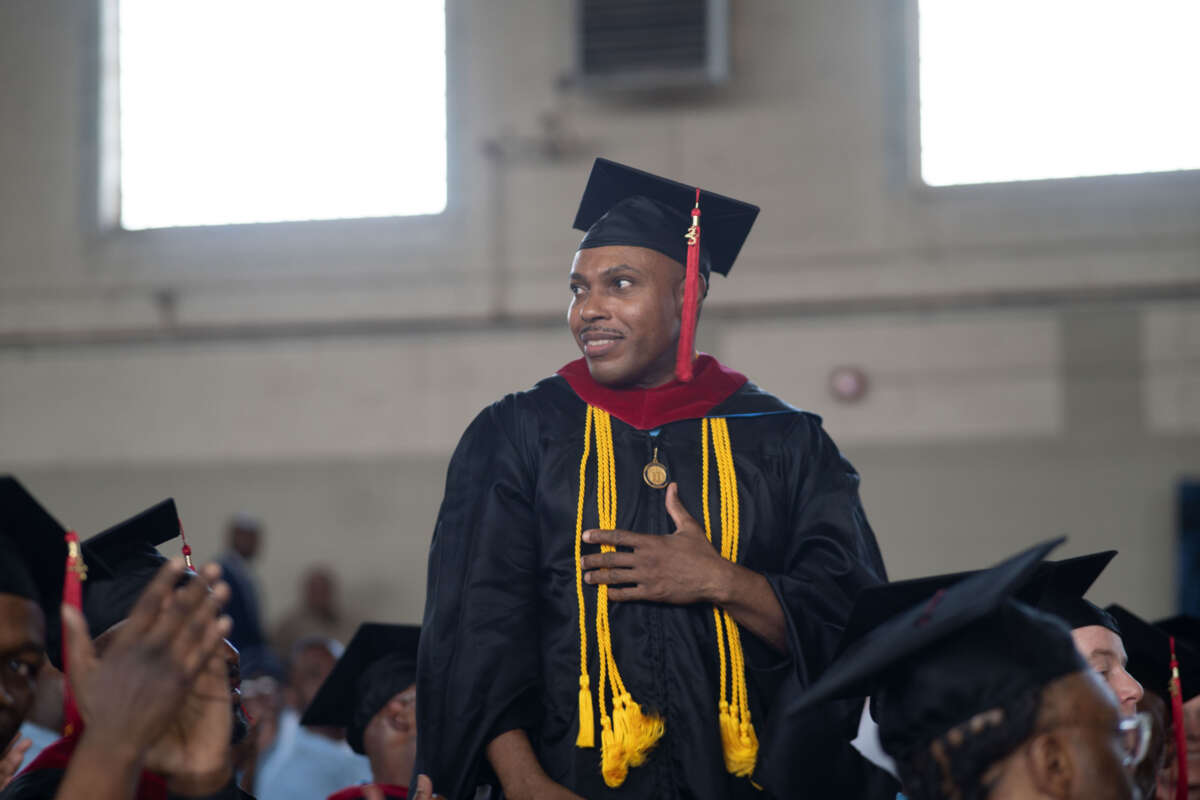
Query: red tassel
column 187, row 550
column 74, row 575
column 691, row 299
column 1181, row 775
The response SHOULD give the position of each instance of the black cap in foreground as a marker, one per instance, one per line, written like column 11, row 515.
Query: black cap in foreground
column 33, row 551
column 1056, row 587
column 896, row 629
column 626, row 206
column 379, row 662
column 968, row 649
column 1149, row 649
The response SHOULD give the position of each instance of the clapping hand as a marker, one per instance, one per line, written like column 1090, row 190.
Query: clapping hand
column 161, row 672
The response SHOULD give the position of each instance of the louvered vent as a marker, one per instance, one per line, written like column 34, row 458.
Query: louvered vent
column 648, row 44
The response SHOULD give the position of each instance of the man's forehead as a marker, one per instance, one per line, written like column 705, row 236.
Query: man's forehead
column 1096, row 641
column 600, row 259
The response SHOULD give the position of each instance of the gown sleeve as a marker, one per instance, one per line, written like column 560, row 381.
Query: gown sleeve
column 478, row 659
column 830, row 552
column 830, row 555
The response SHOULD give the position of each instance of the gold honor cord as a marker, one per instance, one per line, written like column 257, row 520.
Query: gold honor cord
column 738, row 739
column 626, row 737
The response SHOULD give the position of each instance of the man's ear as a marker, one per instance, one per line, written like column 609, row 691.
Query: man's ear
column 1052, row 764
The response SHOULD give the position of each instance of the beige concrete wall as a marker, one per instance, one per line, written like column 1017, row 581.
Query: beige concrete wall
column 1032, row 349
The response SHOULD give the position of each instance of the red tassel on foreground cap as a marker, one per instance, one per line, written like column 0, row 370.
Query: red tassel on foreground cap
column 74, row 575
column 187, row 551
column 691, row 299
column 1181, row 775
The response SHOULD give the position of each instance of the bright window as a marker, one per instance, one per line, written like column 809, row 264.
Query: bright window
column 235, row 111
column 1016, row 90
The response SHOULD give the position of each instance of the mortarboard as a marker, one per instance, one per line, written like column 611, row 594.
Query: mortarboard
column 1061, row 589
column 122, row 560
column 888, row 636
column 622, row 205
column 32, row 552
column 379, row 662
column 626, row 206
column 968, row 649
column 1184, row 627
column 1056, row 587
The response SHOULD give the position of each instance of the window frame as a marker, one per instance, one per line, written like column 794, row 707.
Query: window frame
column 200, row 250
column 909, row 23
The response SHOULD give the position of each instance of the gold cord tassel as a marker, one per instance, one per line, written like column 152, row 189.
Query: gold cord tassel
column 629, row 734
column 626, row 737
column 738, row 738
column 587, row 724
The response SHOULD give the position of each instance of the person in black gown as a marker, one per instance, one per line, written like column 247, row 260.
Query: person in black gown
column 636, row 558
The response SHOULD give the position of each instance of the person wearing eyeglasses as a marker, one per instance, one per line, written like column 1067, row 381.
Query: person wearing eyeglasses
column 979, row 696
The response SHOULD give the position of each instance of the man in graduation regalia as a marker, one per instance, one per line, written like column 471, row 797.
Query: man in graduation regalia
column 634, row 556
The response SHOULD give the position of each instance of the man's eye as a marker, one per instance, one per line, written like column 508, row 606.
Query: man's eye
column 623, row 283
column 576, row 289
column 21, row 668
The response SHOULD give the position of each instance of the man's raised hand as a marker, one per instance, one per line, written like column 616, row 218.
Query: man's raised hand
column 136, row 689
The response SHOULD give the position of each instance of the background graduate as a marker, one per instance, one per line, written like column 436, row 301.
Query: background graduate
column 31, row 557
column 981, row 697
column 179, row 743
column 372, row 693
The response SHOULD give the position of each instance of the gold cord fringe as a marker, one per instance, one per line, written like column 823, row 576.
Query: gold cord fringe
column 629, row 734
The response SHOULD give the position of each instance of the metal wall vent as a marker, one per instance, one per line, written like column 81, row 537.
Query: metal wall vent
column 650, row 44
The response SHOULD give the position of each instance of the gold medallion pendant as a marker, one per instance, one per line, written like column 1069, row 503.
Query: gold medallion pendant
column 655, row 473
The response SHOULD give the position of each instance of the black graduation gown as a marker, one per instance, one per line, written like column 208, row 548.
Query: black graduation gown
column 500, row 642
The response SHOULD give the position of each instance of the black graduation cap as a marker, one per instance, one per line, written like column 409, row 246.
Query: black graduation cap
column 885, row 636
column 122, row 561
column 379, row 662
column 1184, row 627
column 1061, row 590
column 33, row 551
column 1056, row 587
column 1149, row 649
column 626, row 206
column 967, row 649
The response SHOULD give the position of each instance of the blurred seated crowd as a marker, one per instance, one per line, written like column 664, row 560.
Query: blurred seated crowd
column 129, row 672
